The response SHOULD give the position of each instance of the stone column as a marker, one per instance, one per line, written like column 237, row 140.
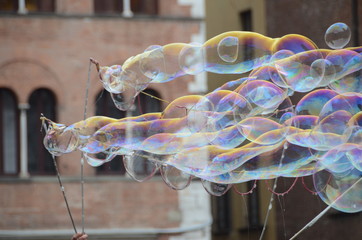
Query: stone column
column 23, row 107
column 127, row 12
column 22, row 8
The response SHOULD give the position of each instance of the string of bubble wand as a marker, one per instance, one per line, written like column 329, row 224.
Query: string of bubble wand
column 82, row 157
column 321, row 214
column 270, row 205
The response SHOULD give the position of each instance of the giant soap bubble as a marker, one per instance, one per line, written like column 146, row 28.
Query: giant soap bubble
column 245, row 130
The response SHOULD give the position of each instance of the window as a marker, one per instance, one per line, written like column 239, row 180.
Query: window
column 147, row 104
column 246, row 25
column 108, row 6
column 9, row 5
column 221, row 213
column 246, row 20
column 147, row 7
column 24, row 6
column 253, row 207
column 105, row 107
column 139, row 7
column 40, row 5
column 9, row 133
column 40, row 162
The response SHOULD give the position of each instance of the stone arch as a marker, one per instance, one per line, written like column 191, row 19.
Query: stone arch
column 24, row 76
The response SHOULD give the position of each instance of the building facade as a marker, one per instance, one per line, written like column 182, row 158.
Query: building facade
column 45, row 48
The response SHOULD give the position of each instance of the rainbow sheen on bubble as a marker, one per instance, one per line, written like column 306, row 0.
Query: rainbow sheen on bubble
column 337, row 35
column 247, row 129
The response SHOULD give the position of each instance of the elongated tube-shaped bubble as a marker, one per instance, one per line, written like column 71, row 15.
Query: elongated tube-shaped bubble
column 247, row 129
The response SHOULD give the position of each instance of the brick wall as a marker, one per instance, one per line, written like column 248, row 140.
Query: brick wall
column 52, row 51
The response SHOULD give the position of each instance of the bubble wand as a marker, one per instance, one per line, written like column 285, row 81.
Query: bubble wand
column 82, row 157
column 43, row 119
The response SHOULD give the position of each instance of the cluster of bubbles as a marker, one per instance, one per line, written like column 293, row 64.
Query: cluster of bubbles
column 247, row 129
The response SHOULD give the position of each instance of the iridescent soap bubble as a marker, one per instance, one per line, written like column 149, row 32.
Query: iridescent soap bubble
column 228, row 49
column 349, row 83
column 192, row 59
column 349, row 102
column 328, row 70
column 337, row 35
column 303, row 71
column 200, row 117
column 262, row 94
column 336, row 160
column 344, row 62
column 60, row 140
column 97, row 159
column 313, row 102
column 139, row 167
column 247, row 129
column 152, row 47
column 152, row 63
column 276, row 74
column 341, row 190
column 123, row 102
column 175, row 178
column 215, row 189
column 110, row 77
column 294, row 43
column 317, row 69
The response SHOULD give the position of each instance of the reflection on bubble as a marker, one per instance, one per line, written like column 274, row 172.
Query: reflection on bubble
column 139, row 167
column 343, row 190
column 337, row 35
column 175, row 178
column 247, row 129
column 215, row 189
column 192, row 59
column 228, row 49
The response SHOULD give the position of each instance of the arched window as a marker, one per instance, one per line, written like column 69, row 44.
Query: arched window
column 41, row 101
column 9, row 133
column 137, row 7
column 147, row 104
column 32, row 6
column 105, row 107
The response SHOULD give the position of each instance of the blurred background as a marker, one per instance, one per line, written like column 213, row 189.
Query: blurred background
column 45, row 46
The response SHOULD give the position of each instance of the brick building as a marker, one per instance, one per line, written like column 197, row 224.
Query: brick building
column 45, row 48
